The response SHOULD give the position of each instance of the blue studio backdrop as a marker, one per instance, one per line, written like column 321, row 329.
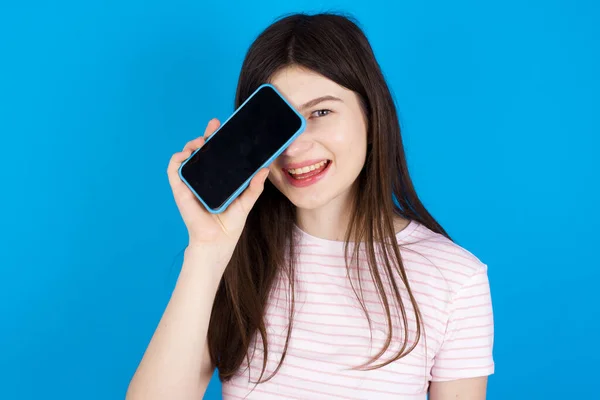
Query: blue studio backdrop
column 499, row 109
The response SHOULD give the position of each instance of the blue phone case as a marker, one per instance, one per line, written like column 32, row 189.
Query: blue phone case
column 269, row 161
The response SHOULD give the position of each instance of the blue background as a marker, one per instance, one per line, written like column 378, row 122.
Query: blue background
column 499, row 106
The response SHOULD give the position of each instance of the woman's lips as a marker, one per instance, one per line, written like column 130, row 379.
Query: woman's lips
column 307, row 178
column 303, row 163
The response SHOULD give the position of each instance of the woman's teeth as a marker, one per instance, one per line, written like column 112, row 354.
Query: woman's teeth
column 306, row 169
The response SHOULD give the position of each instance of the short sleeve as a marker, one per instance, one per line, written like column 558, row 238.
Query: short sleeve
column 466, row 350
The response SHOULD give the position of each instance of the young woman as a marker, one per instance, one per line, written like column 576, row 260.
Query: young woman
column 329, row 279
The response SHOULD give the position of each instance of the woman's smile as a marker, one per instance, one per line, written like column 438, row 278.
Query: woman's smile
column 307, row 175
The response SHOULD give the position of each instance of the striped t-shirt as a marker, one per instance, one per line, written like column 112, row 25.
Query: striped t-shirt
column 330, row 333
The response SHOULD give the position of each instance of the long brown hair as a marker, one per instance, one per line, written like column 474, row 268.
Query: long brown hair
column 334, row 46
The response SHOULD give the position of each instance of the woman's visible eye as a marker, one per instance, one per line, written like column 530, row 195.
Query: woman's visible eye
column 320, row 113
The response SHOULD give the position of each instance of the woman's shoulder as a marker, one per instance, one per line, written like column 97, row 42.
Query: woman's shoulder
column 431, row 255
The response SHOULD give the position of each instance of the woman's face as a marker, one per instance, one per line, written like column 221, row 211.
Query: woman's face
column 321, row 165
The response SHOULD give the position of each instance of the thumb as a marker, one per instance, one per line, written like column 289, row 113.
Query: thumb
column 248, row 198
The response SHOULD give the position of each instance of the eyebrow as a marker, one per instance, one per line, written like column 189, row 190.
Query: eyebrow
column 318, row 100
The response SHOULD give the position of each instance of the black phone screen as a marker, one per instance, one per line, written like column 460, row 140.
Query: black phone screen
column 241, row 146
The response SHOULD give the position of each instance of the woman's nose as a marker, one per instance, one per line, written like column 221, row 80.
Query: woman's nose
column 299, row 146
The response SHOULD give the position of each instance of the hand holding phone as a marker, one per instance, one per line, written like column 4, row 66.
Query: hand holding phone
column 216, row 232
column 251, row 138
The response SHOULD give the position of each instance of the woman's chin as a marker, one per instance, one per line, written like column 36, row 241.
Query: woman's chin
column 308, row 202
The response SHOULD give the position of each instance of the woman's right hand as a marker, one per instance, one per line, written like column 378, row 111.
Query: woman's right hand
column 212, row 231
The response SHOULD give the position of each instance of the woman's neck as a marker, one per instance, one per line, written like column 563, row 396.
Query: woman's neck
column 326, row 222
column 329, row 226
column 331, row 221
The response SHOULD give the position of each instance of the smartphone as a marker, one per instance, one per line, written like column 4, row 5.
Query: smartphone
column 249, row 140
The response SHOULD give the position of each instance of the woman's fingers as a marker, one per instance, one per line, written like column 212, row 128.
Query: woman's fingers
column 195, row 144
column 174, row 164
column 212, row 126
